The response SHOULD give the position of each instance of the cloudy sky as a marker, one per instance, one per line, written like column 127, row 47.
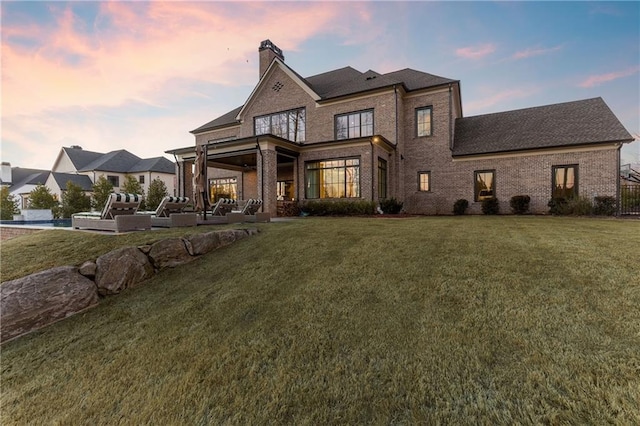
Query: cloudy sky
column 141, row 75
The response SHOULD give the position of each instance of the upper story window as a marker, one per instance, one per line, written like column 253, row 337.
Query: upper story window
column 354, row 125
column 565, row 181
column 423, row 121
column 141, row 179
column 114, row 180
column 288, row 124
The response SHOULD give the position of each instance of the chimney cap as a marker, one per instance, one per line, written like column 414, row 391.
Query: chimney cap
column 268, row 44
column 75, row 147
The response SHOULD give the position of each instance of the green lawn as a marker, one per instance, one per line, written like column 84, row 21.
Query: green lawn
column 456, row 320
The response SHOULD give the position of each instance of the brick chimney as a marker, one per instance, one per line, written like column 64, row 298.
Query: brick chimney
column 6, row 175
column 268, row 52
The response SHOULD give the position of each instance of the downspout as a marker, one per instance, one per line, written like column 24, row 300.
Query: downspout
column 261, row 172
column 618, row 189
column 180, row 189
column 450, row 119
column 395, row 93
column 372, row 172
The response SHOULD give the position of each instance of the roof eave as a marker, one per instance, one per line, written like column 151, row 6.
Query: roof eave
column 541, row 148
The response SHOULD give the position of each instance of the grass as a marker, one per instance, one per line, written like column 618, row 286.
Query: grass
column 460, row 320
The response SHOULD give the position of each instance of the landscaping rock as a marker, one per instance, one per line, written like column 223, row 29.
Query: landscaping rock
column 36, row 300
column 88, row 269
column 169, row 253
column 204, row 243
column 120, row 269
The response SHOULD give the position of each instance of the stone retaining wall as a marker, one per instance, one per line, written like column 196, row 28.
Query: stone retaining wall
column 8, row 232
column 37, row 300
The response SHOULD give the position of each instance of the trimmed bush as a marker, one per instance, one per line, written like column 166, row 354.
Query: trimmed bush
column 339, row 207
column 520, row 204
column 604, row 206
column 557, row 206
column 460, row 206
column 490, row 206
column 390, row 206
column 574, row 206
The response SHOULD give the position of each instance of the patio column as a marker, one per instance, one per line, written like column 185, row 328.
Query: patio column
column 268, row 178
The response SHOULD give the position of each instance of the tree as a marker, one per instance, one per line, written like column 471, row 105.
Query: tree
column 132, row 186
column 74, row 200
column 102, row 188
column 42, row 198
column 157, row 191
column 8, row 204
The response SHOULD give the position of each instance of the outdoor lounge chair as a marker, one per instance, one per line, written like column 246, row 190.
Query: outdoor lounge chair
column 249, row 212
column 223, row 206
column 170, row 213
column 118, row 214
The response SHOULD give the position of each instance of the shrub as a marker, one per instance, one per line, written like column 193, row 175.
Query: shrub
column 390, row 206
column 490, row 206
column 557, row 206
column 574, row 206
column 339, row 208
column 520, row 204
column 460, row 206
column 157, row 191
column 8, row 204
column 604, row 206
column 132, row 186
column 101, row 188
column 41, row 197
column 74, row 200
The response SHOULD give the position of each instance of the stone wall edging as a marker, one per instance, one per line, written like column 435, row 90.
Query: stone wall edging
column 30, row 303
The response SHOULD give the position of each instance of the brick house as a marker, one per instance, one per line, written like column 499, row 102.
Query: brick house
column 371, row 136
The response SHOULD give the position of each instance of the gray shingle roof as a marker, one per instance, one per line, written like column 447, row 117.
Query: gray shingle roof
column 223, row 120
column 574, row 123
column 156, row 164
column 82, row 181
column 120, row 161
column 21, row 176
column 80, row 158
column 347, row 81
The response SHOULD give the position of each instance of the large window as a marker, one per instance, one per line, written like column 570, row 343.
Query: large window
column 223, row 188
column 288, row 125
column 354, row 125
column 333, row 179
column 424, row 181
column 423, row 121
column 485, row 186
column 565, row 181
column 382, row 178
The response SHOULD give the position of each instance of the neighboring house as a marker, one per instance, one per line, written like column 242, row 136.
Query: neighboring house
column 114, row 165
column 347, row 134
column 22, row 181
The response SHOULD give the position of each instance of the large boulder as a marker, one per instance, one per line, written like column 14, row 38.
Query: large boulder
column 31, row 302
column 204, row 243
column 120, row 269
column 169, row 253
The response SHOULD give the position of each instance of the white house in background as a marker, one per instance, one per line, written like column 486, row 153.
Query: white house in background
column 22, row 181
column 114, row 165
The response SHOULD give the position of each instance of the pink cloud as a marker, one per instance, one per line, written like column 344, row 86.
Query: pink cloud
column 596, row 80
column 480, row 105
column 476, row 52
column 134, row 49
column 529, row 52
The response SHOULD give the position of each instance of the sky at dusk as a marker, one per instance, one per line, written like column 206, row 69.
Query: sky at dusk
column 140, row 75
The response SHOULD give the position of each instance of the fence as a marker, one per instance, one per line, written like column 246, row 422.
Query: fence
column 629, row 199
